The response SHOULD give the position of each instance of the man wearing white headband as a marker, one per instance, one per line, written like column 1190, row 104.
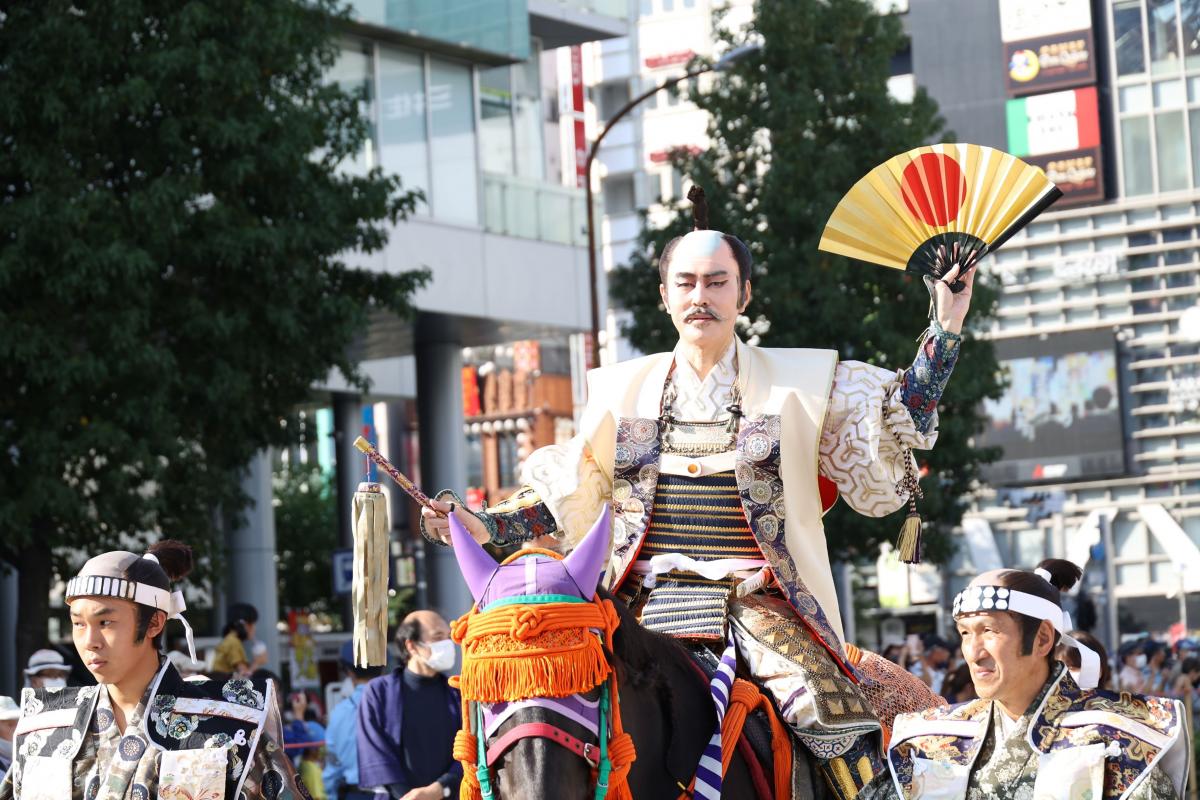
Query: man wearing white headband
column 144, row 732
column 720, row 459
column 1036, row 730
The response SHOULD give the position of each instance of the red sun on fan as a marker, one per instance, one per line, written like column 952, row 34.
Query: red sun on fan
column 933, row 187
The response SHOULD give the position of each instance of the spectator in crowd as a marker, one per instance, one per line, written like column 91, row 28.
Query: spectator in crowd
column 1155, row 682
column 231, row 652
column 1133, row 659
column 407, row 719
column 958, row 687
column 932, row 665
column 9, row 714
column 1070, row 657
column 304, row 741
column 341, row 736
column 47, row 669
column 1189, row 676
column 894, row 652
column 305, row 725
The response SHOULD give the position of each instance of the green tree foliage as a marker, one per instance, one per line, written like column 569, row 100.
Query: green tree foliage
column 793, row 126
column 172, row 276
column 306, row 530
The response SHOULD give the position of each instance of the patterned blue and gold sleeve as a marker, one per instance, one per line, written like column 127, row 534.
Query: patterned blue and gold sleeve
column 923, row 383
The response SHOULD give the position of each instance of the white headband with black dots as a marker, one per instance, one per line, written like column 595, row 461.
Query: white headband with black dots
column 987, row 599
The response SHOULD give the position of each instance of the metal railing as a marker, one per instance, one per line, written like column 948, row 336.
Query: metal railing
column 532, row 209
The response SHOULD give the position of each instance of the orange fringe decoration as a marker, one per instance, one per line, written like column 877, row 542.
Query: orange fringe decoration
column 516, row 652
column 521, row 651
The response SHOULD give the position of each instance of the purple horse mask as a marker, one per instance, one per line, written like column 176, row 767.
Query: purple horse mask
column 535, row 572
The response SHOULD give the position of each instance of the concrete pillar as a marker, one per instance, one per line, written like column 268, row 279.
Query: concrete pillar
column 10, row 671
column 251, row 553
column 443, row 460
column 350, row 468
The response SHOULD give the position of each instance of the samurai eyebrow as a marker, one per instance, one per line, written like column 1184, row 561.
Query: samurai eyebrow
column 721, row 273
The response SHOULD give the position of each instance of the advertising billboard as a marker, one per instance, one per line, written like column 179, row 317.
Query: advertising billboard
column 1048, row 44
column 1030, row 19
column 1060, row 132
column 1060, row 417
column 1049, row 62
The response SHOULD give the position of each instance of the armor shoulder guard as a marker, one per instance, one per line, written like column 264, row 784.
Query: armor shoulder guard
column 1139, row 731
column 947, row 736
column 53, row 720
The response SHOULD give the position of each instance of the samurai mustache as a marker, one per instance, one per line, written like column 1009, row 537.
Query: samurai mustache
column 705, row 310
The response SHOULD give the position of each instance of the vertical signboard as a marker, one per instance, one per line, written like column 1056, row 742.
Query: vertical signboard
column 1060, row 132
column 581, row 147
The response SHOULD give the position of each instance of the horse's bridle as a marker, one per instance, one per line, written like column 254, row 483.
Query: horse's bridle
column 595, row 755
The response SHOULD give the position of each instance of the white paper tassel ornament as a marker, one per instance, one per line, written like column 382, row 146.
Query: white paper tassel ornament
column 370, row 576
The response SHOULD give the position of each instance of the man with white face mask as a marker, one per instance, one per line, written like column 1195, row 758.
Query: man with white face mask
column 47, row 670
column 9, row 714
column 407, row 720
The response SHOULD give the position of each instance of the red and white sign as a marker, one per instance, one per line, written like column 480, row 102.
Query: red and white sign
column 670, row 59
column 663, row 156
column 581, row 144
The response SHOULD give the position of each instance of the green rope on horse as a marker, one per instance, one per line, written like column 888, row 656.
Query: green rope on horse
column 605, row 766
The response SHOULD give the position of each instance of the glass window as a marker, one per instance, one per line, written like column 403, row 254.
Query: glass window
column 676, row 184
column 1190, row 21
column 619, row 195
column 1135, row 98
column 353, row 72
column 527, row 118
column 1174, row 236
column 668, row 6
column 1172, row 151
column 1161, row 18
column 455, row 192
column 474, row 460
column 611, row 98
column 647, row 8
column 509, row 466
column 403, row 148
column 1136, row 169
column 689, row 3
column 1127, row 33
column 495, row 120
column 654, row 184
column 1194, row 121
column 1169, row 94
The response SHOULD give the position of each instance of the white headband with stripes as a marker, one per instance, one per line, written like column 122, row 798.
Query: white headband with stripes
column 171, row 603
column 988, row 599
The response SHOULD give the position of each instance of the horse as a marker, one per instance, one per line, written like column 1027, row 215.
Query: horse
column 549, row 746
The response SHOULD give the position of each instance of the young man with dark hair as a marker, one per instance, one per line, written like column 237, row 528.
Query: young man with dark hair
column 1034, row 732
column 407, row 720
column 143, row 732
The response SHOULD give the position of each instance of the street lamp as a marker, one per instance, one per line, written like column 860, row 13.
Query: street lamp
column 723, row 63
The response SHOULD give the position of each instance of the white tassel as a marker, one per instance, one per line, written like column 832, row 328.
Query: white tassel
column 370, row 596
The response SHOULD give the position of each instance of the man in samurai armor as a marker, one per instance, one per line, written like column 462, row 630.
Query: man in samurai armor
column 719, row 460
column 1038, row 728
column 144, row 732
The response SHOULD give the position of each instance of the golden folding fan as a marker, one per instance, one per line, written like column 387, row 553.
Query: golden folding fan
column 924, row 210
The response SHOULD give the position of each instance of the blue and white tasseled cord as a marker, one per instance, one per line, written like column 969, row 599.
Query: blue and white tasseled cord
column 708, row 773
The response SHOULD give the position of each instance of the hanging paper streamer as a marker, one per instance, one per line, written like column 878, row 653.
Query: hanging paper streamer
column 371, row 530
